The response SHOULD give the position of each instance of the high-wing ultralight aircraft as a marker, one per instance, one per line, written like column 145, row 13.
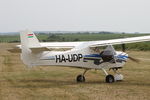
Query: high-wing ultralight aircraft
column 84, row 55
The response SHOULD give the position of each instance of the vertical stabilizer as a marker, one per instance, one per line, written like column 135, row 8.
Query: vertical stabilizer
column 28, row 39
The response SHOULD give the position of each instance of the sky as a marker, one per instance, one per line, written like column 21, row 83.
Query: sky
column 75, row 15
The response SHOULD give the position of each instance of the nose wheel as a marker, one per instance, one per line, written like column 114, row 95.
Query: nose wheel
column 111, row 78
column 118, row 77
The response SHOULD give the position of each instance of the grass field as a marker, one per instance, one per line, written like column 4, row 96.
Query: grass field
column 58, row 83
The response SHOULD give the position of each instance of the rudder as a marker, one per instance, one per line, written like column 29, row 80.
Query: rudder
column 28, row 40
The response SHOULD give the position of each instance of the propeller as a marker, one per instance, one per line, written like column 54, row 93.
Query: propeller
column 134, row 59
column 131, row 58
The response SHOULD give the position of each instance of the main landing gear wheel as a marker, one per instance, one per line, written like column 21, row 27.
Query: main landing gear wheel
column 80, row 78
column 110, row 79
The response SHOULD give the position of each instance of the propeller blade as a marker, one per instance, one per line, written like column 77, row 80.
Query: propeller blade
column 131, row 58
column 134, row 59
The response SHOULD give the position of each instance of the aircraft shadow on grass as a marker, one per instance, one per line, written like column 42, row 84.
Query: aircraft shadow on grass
column 41, row 83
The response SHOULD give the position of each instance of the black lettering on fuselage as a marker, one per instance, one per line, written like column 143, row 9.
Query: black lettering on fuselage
column 69, row 58
column 58, row 59
column 63, row 58
column 75, row 57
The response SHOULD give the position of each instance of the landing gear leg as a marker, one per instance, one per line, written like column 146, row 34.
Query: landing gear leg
column 109, row 78
column 81, row 78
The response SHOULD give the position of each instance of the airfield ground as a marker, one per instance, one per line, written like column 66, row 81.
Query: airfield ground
column 58, row 83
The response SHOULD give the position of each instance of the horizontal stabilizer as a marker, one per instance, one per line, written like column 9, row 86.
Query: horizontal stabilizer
column 14, row 50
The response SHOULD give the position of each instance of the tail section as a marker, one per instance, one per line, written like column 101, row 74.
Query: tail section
column 28, row 40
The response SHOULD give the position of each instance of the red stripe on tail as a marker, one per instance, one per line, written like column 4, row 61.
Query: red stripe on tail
column 30, row 34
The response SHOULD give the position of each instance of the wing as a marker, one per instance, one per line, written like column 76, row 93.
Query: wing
column 119, row 41
column 33, row 43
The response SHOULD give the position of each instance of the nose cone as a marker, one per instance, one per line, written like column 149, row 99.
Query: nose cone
column 122, row 55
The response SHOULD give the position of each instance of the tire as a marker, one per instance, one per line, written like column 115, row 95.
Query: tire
column 110, row 79
column 80, row 78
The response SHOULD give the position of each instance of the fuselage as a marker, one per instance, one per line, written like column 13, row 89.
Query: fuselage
column 81, row 58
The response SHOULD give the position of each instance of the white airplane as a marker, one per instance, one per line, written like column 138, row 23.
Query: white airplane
column 84, row 55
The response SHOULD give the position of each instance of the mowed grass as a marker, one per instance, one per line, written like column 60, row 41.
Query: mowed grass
column 58, row 83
